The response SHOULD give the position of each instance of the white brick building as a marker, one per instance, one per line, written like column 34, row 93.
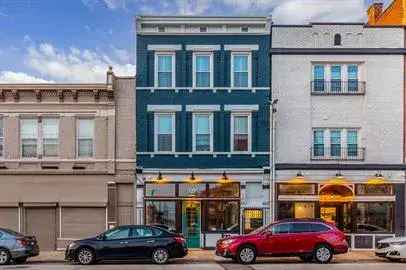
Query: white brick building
column 340, row 126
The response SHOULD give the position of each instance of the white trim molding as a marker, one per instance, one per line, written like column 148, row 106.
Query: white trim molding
column 164, row 108
column 241, row 108
column 203, row 47
column 241, row 47
column 173, row 71
column 202, row 108
column 164, row 47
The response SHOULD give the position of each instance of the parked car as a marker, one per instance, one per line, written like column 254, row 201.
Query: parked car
column 16, row 247
column 309, row 239
column 394, row 249
column 129, row 242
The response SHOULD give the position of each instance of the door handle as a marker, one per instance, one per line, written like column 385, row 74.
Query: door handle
column 151, row 241
column 124, row 242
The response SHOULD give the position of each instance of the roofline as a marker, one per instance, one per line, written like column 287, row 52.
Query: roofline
column 174, row 17
column 365, row 25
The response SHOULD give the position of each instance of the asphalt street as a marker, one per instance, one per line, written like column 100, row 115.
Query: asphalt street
column 211, row 266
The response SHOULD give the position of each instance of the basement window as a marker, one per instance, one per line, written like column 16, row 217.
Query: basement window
column 203, row 29
column 161, row 29
column 244, row 29
column 337, row 40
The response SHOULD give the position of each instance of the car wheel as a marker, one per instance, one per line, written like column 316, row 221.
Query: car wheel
column 160, row 256
column 5, row 256
column 85, row 256
column 20, row 260
column 307, row 258
column 246, row 255
column 322, row 254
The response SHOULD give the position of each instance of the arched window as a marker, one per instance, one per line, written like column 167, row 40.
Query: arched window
column 337, row 40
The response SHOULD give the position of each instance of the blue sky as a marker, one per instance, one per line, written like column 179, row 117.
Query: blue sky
column 75, row 40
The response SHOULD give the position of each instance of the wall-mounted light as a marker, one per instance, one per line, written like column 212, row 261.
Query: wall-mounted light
column 159, row 177
column 378, row 179
column 298, row 179
column 224, row 178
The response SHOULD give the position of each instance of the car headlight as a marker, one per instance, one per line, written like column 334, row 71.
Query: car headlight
column 72, row 245
column 228, row 242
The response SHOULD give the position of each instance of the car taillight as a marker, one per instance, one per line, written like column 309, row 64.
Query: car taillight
column 179, row 240
column 23, row 242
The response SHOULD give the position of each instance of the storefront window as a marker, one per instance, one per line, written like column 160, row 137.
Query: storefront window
column 297, row 189
column 161, row 212
column 228, row 190
column 223, row 216
column 296, row 210
column 373, row 189
column 373, row 217
column 160, row 190
column 192, row 190
column 253, row 219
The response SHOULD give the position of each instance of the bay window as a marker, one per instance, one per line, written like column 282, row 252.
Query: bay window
column 85, row 138
column 241, row 132
column 202, row 132
column 164, row 132
column 241, row 73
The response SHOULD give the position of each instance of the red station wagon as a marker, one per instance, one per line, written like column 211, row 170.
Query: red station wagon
column 309, row 239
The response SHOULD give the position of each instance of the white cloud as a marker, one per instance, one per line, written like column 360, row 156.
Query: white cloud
column 75, row 64
column 283, row 11
column 19, row 77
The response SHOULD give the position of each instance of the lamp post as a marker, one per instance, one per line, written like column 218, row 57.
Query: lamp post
column 272, row 159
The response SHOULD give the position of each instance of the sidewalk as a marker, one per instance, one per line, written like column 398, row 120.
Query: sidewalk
column 207, row 256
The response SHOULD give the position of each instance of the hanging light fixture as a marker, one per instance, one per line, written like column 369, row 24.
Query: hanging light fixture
column 378, row 179
column 224, row 178
column 159, row 177
column 298, row 179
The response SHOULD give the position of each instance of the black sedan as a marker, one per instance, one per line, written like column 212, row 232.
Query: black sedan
column 129, row 242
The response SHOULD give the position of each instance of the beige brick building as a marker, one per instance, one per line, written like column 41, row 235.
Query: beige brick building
column 67, row 158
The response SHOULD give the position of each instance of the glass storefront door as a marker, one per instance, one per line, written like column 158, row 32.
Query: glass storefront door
column 191, row 223
column 329, row 213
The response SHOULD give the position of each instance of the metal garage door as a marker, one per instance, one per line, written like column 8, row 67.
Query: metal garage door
column 125, row 204
column 79, row 222
column 41, row 222
column 9, row 218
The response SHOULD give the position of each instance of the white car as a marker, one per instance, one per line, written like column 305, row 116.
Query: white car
column 393, row 249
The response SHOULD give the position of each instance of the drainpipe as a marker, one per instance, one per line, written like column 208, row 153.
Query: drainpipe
column 272, row 197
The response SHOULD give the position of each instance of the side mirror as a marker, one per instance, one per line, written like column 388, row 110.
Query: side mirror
column 268, row 234
column 101, row 237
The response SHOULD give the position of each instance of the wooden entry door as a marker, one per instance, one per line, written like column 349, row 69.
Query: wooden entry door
column 191, row 223
column 41, row 223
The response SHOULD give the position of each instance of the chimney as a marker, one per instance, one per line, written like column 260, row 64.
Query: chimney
column 374, row 12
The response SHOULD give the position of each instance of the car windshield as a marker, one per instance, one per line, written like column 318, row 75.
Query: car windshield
column 11, row 232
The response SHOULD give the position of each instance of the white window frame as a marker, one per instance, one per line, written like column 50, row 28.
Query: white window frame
column 164, row 53
column 156, row 115
column 41, row 137
column 233, row 115
column 343, row 137
column 211, row 68
column 211, row 130
column 249, row 54
column 77, row 137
